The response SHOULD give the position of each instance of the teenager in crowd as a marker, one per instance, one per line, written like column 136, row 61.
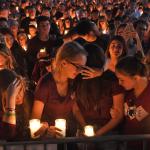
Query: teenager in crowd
column 87, row 31
column 116, row 49
column 42, row 40
column 132, row 75
column 14, row 111
column 53, row 93
column 95, row 97
column 16, row 52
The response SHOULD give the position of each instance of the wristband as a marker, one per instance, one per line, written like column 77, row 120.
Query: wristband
column 10, row 113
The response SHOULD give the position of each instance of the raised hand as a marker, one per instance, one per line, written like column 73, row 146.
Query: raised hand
column 12, row 92
column 89, row 73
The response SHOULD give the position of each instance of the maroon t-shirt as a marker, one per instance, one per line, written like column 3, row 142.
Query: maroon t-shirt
column 55, row 106
column 99, row 115
column 137, row 111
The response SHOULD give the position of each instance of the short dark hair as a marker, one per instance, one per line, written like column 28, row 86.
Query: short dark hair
column 41, row 19
column 96, row 57
column 84, row 27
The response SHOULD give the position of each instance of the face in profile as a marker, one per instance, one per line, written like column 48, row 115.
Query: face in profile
column 115, row 49
column 9, row 40
column 73, row 67
column 128, row 82
column 3, row 61
column 20, row 90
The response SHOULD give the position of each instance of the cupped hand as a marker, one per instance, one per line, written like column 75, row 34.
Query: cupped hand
column 54, row 132
column 89, row 73
column 12, row 92
column 42, row 130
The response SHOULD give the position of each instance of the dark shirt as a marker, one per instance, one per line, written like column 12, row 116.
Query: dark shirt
column 99, row 113
column 102, row 41
column 34, row 47
column 133, row 124
column 55, row 106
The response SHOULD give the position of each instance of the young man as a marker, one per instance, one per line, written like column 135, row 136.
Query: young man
column 42, row 41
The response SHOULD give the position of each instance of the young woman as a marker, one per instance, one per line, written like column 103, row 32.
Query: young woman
column 95, row 97
column 53, row 93
column 23, row 41
column 132, row 75
column 16, row 52
column 13, row 108
column 6, row 61
column 116, row 49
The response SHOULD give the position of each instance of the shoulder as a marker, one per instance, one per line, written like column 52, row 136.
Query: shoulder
column 34, row 39
column 44, row 80
column 110, row 75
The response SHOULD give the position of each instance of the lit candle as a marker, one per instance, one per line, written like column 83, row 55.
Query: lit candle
column 34, row 126
column 17, row 8
column 57, row 22
column 104, row 31
column 43, row 50
column 25, row 48
column 61, row 124
column 66, row 31
column 89, row 130
column 29, row 36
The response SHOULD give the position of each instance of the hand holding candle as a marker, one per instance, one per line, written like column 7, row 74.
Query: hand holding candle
column 61, row 124
column 89, row 130
column 34, row 126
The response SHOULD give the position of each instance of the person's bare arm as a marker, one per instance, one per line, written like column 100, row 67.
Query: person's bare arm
column 118, row 101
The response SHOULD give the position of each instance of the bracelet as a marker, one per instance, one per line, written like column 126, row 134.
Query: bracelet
column 8, row 114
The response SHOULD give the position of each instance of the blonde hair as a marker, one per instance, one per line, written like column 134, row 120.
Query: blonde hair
column 9, row 61
column 68, row 51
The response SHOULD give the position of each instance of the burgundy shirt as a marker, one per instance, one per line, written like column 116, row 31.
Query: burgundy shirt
column 133, row 123
column 55, row 106
column 100, row 114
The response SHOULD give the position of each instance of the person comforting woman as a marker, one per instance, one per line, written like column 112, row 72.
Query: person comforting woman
column 96, row 97
column 132, row 75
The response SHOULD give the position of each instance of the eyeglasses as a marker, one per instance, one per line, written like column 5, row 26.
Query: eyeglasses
column 78, row 67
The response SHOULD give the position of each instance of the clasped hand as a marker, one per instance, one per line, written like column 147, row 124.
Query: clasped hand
column 48, row 131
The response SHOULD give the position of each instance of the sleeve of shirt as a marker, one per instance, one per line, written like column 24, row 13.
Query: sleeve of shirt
column 41, row 91
column 116, row 88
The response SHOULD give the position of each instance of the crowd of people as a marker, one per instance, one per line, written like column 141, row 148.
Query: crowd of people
column 86, row 61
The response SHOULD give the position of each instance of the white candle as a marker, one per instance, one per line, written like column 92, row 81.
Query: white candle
column 25, row 48
column 89, row 130
column 42, row 50
column 34, row 126
column 104, row 31
column 17, row 8
column 61, row 124
column 66, row 31
column 29, row 36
